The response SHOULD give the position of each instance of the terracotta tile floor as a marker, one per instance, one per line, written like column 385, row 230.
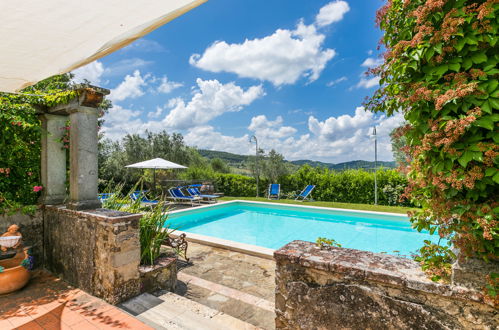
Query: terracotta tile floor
column 49, row 303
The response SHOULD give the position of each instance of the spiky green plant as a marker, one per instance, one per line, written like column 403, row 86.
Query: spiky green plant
column 153, row 228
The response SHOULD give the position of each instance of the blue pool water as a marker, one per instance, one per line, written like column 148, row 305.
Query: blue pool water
column 273, row 226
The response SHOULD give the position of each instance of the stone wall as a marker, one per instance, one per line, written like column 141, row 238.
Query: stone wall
column 161, row 276
column 352, row 289
column 31, row 227
column 96, row 250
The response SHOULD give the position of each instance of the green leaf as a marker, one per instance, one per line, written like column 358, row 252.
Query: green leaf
column 467, row 63
column 460, row 44
column 490, row 171
column 494, row 103
column 479, row 58
column 438, row 48
column 471, row 40
column 478, row 156
column 486, row 107
column 485, row 122
column 440, row 70
column 465, row 158
column 455, row 67
column 429, row 54
column 496, row 177
column 492, row 85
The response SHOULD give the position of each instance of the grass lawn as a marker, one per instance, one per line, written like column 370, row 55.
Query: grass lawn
column 365, row 207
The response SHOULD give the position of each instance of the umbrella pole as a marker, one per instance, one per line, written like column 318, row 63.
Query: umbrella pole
column 154, row 181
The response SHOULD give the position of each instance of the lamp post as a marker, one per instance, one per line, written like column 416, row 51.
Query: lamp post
column 375, row 166
column 251, row 140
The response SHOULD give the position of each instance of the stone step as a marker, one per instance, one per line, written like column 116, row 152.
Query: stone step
column 171, row 311
column 227, row 291
column 240, row 305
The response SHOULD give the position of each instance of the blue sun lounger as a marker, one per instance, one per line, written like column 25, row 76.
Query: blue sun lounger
column 306, row 193
column 140, row 196
column 104, row 196
column 178, row 196
column 194, row 192
column 274, row 191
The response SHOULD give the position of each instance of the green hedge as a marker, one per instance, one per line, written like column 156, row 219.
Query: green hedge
column 235, row 185
column 351, row 186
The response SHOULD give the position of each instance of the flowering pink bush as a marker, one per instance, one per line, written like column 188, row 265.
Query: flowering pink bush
column 37, row 188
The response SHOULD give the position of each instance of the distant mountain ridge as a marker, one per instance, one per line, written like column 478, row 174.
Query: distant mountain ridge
column 235, row 159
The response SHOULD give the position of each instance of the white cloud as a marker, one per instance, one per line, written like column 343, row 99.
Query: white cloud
column 372, row 62
column 281, row 58
column 336, row 81
column 270, row 129
column 205, row 137
column 155, row 114
column 167, row 86
column 336, row 139
column 335, row 128
column 332, row 12
column 368, row 82
column 211, row 100
column 91, row 72
column 120, row 121
column 130, row 87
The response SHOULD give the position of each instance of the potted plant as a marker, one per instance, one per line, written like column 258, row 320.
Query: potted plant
column 15, row 266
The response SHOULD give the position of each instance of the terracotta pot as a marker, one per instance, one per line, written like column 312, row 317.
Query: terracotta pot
column 12, row 278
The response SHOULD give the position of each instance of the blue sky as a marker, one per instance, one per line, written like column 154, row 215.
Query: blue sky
column 289, row 72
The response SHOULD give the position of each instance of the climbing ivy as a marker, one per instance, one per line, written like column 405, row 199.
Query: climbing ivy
column 20, row 139
column 440, row 70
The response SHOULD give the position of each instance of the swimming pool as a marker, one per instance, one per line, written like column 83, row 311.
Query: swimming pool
column 271, row 225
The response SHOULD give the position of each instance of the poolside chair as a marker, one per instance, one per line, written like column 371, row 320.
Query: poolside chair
column 141, row 196
column 179, row 197
column 306, row 193
column 104, row 196
column 194, row 192
column 274, row 191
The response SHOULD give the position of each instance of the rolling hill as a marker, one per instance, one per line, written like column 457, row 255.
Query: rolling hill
column 238, row 160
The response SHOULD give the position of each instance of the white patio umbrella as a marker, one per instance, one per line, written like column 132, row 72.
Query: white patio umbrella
column 41, row 38
column 156, row 163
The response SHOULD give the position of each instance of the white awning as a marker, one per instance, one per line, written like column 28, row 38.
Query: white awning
column 156, row 163
column 42, row 38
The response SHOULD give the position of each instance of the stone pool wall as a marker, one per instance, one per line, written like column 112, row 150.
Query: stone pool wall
column 31, row 227
column 351, row 289
column 96, row 250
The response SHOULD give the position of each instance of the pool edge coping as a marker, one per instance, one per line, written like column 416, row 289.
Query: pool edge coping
column 254, row 250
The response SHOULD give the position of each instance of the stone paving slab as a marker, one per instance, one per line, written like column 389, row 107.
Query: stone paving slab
column 50, row 303
column 226, row 291
column 249, row 274
column 235, row 283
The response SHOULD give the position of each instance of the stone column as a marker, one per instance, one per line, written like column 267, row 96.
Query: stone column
column 83, row 187
column 53, row 160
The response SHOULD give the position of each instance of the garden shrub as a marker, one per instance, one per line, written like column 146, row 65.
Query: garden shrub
column 441, row 70
column 236, row 185
column 351, row 186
